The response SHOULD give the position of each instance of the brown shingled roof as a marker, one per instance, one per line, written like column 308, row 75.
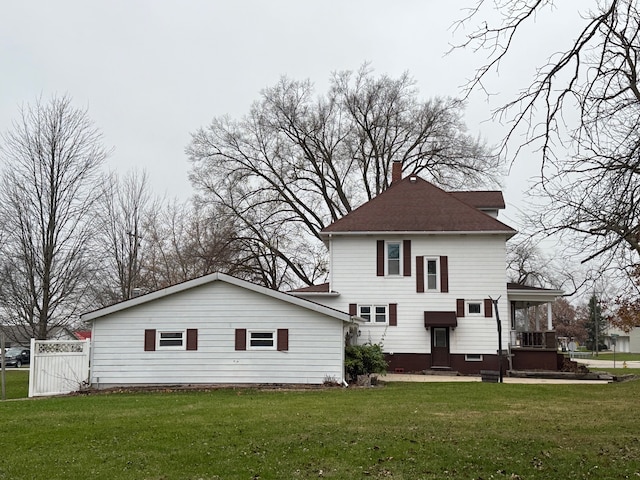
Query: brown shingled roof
column 415, row 205
column 482, row 199
column 321, row 288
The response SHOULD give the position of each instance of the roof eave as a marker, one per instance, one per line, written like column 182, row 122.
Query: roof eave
column 533, row 295
column 508, row 233
column 314, row 294
column 302, row 302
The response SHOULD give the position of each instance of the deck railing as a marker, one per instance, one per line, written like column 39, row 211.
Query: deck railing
column 533, row 340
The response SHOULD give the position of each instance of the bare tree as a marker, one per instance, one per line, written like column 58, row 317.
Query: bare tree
column 125, row 206
column 529, row 264
column 297, row 162
column 582, row 111
column 50, row 159
column 626, row 315
column 182, row 242
column 526, row 265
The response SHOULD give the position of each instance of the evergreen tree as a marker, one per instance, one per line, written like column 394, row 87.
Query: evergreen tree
column 595, row 325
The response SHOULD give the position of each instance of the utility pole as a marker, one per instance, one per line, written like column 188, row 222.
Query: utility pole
column 2, row 366
column 596, row 320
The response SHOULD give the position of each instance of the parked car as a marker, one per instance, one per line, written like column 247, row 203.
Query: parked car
column 16, row 356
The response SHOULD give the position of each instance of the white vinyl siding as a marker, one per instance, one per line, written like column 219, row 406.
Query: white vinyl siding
column 476, row 270
column 315, row 341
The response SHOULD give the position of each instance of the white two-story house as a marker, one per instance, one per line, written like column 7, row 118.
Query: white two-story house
column 423, row 267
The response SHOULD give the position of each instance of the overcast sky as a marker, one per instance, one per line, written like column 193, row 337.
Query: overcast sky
column 151, row 72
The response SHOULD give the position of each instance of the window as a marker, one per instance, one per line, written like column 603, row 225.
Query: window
column 171, row 340
column 393, row 258
column 373, row 313
column 432, row 273
column 261, row 340
column 473, row 357
column 474, row 308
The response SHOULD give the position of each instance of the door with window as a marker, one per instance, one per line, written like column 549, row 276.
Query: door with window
column 440, row 347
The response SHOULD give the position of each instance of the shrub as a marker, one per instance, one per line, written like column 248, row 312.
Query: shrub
column 364, row 360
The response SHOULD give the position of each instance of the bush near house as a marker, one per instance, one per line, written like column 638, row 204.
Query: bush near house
column 364, row 360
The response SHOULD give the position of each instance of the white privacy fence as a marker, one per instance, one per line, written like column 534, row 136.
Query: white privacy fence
column 58, row 366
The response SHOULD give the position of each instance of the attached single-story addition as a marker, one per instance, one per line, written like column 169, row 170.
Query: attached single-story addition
column 216, row 329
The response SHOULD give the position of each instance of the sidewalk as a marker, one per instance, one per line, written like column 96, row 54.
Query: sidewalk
column 595, row 363
column 403, row 377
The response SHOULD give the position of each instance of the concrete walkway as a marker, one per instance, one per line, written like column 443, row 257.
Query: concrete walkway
column 403, row 377
column 595, row 363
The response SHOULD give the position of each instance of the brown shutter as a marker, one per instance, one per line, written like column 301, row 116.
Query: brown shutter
column 149, row 340
column 460, row 307
column 419, row 274
column 283, row 339
column 192, row 339
column 406, row 258
column 444, row 274
column 353, row 309
column 241, row 339
column 393, row 314
column 380, row 258
column 488, row 308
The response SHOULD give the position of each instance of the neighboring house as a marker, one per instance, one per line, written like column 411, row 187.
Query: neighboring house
column 626, row 342
column 82, row 334
column 216, row 329
column 18, row 336
column 422, row 266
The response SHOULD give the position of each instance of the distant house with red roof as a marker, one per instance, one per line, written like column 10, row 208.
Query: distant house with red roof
column 422, row 267
column 82, row 334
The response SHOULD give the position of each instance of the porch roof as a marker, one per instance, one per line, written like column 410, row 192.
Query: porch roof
column 525, row 294
column 440, row 319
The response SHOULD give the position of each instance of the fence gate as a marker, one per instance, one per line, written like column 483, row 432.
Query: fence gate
column 58, row 366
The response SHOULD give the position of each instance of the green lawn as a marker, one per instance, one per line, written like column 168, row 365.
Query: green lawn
column 608, row 355
column 16, row 383
column 620, row 357
column 401, row 431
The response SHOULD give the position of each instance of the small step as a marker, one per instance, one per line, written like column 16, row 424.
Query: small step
column 441, row 371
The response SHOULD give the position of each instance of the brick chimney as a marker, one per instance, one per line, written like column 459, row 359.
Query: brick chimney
column 396, row 172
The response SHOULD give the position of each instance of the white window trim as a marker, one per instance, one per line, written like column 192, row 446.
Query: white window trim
column 426, row 274
column 372, row 314
column 473, row 357
column 273, row 338
column 386, row 259
column 183, row 346
column 468, row 313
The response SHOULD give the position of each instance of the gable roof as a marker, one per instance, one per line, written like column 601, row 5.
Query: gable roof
column 215, row 277
column 417, row 206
